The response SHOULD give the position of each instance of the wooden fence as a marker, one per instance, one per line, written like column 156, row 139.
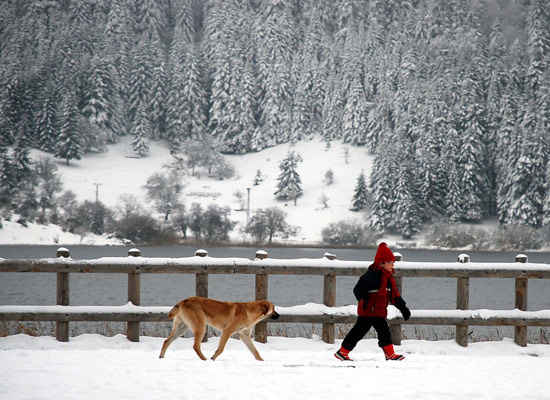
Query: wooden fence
column 329, row 267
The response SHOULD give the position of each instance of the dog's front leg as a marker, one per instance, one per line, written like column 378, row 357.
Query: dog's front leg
column 245, row 337
column 223, row 340
column 199, row 332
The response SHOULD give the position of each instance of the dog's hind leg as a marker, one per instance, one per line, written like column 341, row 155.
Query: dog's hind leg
column 178, row 329
column 245, row 337
column 223, row 340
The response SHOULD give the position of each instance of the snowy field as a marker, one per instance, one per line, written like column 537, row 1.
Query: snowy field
column 117, row 173
column 98, row 367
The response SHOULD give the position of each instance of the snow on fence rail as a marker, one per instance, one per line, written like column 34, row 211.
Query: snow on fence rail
column 201, row 265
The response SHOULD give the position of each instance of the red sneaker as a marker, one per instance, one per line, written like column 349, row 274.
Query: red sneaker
column 390, row 353
column 342, row 355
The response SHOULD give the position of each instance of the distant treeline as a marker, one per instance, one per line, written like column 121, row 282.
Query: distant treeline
column 453, row 97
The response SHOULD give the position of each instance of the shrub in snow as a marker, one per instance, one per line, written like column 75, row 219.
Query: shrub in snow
column 518, row 237
column 138, row 228
column 349, row 232
column 458, row 236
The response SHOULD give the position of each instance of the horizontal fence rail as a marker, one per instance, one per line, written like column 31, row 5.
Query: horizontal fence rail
column 338, row 315
column 329, row 267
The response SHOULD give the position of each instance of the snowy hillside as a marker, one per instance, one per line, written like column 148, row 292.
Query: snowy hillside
column 116, row 172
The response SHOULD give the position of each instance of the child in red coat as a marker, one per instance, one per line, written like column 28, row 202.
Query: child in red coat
column 376, row 290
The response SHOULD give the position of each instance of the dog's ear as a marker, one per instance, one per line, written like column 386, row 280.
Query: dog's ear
column 265, row 307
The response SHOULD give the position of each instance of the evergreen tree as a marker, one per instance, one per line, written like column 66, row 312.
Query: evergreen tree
column 141, row 132
column 407, row 210
column 289, row 184
column 21, row 161
column 70, row 142
column 7, row 177
column 148, row 18
column 157, row 109
column 473, row 179
column 184, row 28
column 382, row 185
column 45, row 129
column 528, row 192
column 354, row 119
column 276, row 45
column 100, row 99
column 141, row 77
column 193, row 96
column 360, row 195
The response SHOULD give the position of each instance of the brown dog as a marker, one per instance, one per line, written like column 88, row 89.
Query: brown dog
column 196, row 312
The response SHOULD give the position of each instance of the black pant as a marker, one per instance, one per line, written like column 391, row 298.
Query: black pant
column 361, row 328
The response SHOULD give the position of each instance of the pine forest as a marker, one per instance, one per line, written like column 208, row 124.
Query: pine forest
column 452, row 97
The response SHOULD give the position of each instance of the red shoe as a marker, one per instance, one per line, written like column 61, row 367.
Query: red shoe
column 390, row 353
column 342, row 355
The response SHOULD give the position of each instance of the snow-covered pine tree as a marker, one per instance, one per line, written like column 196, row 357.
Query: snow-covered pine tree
column 141, row 130
column 101, row 98
column 354, row 118
column 69, row 143
column 157, row 106
column 546, row 201
column 184, row 28
column 355, row 110
column 310, row 75
column 119, row 40
column 258, row 178
column 45, row 129
column 141, row 76
column 382, row 185
column 508, row 150
column 432, row 166
column 289, row 186
column 360, row 195
column 194, row 101
column 7, row 177
column 407, row 216
column 538, row 46
column 21, row 161
column 528, row 192
column 473, row 178
column 175, row 129
column 148, row 17
column 276, row 43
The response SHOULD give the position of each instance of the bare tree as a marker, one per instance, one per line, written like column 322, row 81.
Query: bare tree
column 266, row 223
column 164, row 191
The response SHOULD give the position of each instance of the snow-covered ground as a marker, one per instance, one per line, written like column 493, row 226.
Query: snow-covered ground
column 116, row 172
column 98, row 367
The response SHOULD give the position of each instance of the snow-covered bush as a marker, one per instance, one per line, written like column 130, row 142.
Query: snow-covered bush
column 349, row 232
column 458, row 236
column 518, row 237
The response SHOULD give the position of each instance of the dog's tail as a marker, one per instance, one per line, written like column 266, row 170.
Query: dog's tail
column 174, row 311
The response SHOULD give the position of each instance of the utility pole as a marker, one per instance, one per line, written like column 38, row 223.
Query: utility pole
column 248, row 207
column 97, row 185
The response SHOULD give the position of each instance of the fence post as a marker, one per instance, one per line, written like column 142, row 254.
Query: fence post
column 329, row 300
column 462, row 302
column 260, row 331
column 63, row 292
column 520, row 332
column 201, row 285
column 134, row 289
column 396, row 329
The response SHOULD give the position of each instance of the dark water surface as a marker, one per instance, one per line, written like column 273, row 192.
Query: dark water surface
column 167, row 289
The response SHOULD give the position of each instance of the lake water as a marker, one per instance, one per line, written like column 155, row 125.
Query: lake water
column 167, row 289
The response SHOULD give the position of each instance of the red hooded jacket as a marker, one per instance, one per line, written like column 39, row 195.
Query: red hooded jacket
column 376, row 290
